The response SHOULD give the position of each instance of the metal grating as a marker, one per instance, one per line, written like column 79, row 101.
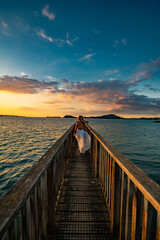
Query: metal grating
column 81, row 212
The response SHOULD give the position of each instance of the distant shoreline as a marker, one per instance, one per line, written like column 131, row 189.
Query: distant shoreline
column 109, row 116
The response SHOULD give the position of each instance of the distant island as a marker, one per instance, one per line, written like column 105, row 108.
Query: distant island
column 52, row 117
column 69, row 116
column 113, row 116
column 109, row 116
column 15, row 116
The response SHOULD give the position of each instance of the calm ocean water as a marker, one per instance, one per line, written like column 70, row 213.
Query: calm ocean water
column 24, row 140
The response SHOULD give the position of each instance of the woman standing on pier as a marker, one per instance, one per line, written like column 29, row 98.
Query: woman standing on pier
column 80, row 133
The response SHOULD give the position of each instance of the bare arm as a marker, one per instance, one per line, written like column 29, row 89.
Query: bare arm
column 75, row 130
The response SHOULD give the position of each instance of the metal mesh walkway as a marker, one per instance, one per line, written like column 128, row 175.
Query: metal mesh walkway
column 81, row 211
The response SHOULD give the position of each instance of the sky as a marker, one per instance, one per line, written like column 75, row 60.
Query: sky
column 80, row 57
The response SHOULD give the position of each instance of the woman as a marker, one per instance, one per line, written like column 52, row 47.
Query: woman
column 83, row 138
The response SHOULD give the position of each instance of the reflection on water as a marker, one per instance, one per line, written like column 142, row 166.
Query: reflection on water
column 24, row 140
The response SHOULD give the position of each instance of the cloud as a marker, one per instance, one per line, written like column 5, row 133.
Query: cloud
column 24, row 75
column 101, row 95
column 124, row 41
column 42, row 34
column 57, row 41
column 110, row 72
column 109, row 95
column 87, row 57
column 47, row 13
column 25, row 85
column 146, row 71
column 120, row 42
column 5, row 28
column 69, row 42
column 4, row 25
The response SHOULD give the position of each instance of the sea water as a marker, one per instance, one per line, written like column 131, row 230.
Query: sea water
column 24, row 140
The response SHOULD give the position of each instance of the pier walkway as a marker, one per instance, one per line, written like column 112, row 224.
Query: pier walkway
column 81, row 212
column 94, row 196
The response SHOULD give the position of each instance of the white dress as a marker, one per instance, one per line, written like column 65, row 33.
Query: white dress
column 84, row 140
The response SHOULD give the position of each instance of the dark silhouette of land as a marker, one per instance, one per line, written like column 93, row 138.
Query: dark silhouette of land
column 109, row 116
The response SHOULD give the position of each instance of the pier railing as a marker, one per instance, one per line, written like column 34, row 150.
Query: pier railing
column 27, row 209
column 132, row 197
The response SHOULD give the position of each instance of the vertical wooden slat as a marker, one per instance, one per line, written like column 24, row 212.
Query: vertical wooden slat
column 134, row 214
column 44, row 204
column 97, row 162
column 100, row 162
column 107, row 166
column 51, row 203
column 139, row 215
column 25, row 221
column 36, row 213
column 110, row 179
column 144, row 226
column 91, row 148
column 105, row 173
column 117, row 202
column 102, row 168
column 12, row 232
column 158, row 227
column 124, row 185
column 149, row 221
column 32, row 216
column 112, row 194
column 129, row 198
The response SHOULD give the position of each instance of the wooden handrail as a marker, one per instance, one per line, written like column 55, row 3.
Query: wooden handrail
column 133, row 198
column 35, row 194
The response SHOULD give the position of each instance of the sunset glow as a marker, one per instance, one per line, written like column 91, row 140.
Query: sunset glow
column 74, row 58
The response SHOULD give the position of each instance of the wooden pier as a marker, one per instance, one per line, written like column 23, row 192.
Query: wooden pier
column 81, row 212
column 97, row 195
